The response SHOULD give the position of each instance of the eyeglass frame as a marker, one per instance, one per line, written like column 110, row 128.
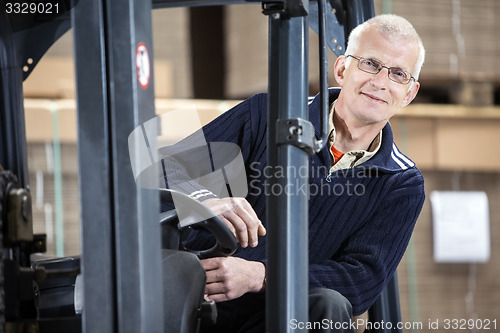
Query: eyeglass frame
column 380, row 69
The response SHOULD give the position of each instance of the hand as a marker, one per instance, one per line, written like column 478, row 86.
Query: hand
column 231, row 277
column 240, row 217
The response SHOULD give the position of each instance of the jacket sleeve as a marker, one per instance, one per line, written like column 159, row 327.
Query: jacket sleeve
column 206, row 164
column 211, row 171
column 369, row 257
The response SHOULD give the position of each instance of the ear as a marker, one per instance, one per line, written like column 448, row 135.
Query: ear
column 339, row 70
column 411, row 94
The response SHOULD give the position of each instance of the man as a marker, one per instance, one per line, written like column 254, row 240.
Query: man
column 367, row 195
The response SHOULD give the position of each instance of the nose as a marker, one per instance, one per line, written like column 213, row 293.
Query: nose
column 380, row 79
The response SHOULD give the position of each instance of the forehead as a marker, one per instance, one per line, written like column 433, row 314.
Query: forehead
column 391, row 51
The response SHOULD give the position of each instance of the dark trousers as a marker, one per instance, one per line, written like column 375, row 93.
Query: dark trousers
column 328, row 309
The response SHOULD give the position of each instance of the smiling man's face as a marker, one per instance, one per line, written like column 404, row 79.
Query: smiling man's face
column 372, row 99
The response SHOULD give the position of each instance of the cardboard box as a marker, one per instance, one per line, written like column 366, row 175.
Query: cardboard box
column 54, row 77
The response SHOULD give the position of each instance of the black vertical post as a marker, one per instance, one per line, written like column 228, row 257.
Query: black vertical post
column 121, row 242
column 208, row 51
column 287, row 213
column 13, row 154
column 97, row 261
column 136, row 211
column 356, row 12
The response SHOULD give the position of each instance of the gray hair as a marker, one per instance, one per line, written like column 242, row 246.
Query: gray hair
column 390, row 25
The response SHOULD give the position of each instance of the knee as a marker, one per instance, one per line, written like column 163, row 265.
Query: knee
column 330, row 304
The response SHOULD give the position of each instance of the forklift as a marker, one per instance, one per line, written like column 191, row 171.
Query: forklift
column 129, row 249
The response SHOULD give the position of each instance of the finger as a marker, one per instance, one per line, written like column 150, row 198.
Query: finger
column 249, row 209
column 215, row 288
column 214, row 276
column 240, row 226
column 230, row 226
column 210, row 264
column 218, row 298
column 256, row 229
column 252, row 222
column 262, row 230
column 217, row 292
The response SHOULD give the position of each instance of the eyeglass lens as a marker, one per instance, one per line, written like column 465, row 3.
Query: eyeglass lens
column 374, row 67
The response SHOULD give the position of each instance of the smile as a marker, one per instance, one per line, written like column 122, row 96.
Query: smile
column 374, row 98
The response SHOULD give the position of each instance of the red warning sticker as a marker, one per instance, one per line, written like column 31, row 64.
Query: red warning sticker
column 142, row 65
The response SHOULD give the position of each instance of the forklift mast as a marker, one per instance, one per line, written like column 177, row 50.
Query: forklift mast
column 115, row 94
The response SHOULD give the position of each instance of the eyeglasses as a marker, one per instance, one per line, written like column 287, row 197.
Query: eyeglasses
column 374, row 67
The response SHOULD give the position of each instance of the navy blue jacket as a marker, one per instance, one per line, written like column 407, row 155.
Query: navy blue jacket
column 360, row 219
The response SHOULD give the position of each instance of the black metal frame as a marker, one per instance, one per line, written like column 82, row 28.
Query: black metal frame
column 287, row 244
column 120, row 238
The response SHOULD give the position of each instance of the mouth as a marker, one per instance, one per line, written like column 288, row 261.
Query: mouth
column 374, row 98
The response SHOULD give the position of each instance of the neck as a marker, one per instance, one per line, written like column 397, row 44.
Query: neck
column 352, row 135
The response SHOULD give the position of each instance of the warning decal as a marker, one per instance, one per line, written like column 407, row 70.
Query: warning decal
column 142, row 65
